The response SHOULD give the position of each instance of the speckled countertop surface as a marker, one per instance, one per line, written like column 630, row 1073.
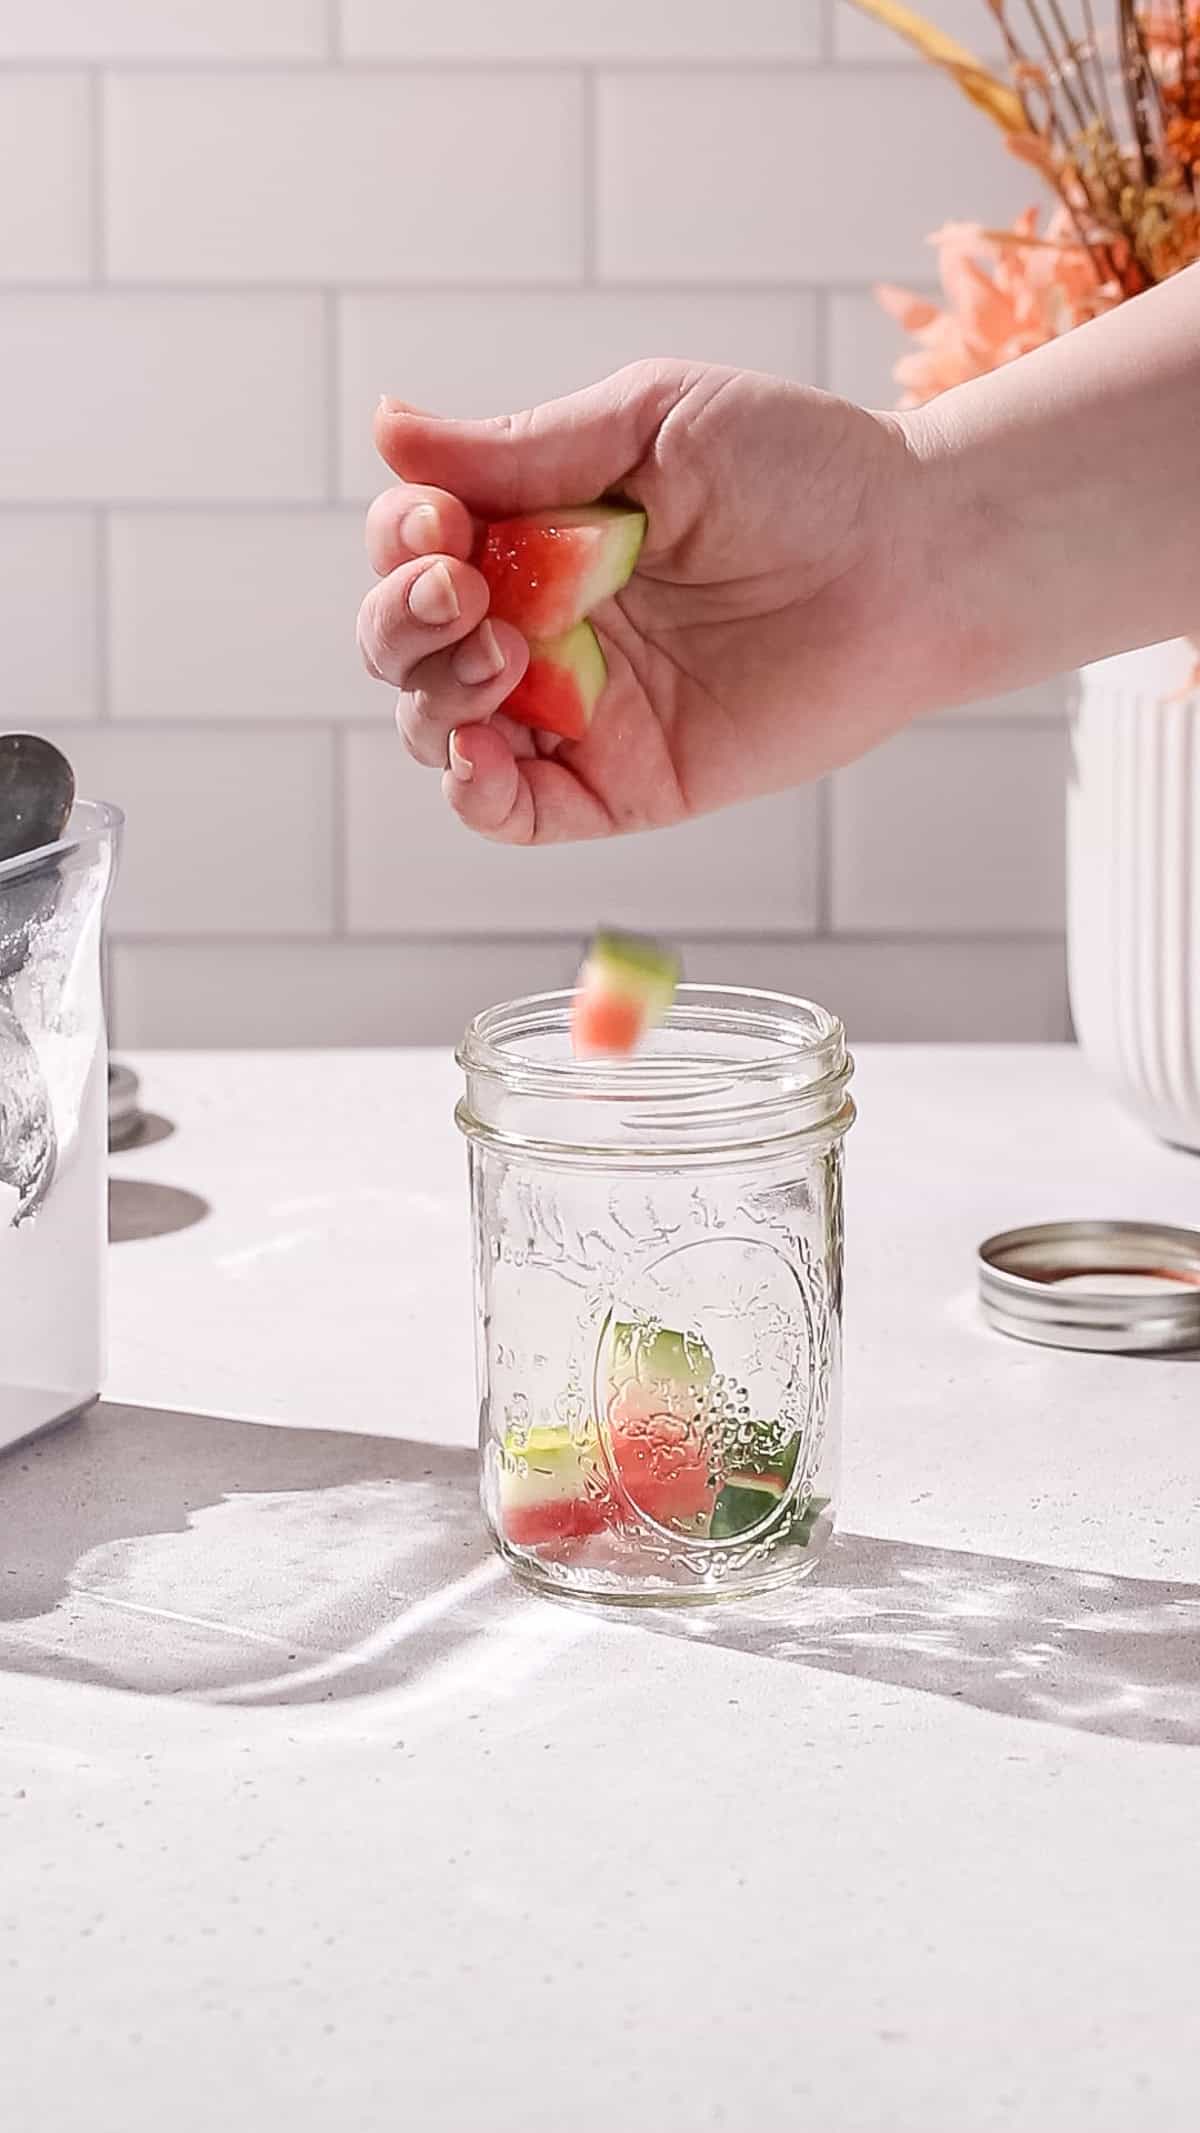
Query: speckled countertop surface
column 308, row 1819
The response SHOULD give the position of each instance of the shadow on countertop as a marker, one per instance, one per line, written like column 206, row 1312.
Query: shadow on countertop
column 184, row 1554
column 1077, row 1648
column 139, row 1208
column 195, row 1555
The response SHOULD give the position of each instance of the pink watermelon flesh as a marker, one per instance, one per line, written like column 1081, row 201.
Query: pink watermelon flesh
column 560, row 1518
column 547, row 572
column 660, row 1453
column 557, row 693
column 605, row 1022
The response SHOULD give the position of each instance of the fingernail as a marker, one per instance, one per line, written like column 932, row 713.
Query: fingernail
column 459, row 766
column 480, row 658
column 432, row 598
column 420, row 530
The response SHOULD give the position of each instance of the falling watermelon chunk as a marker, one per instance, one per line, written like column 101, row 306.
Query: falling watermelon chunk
column 557, row 693
column 545, row 573
column 625, row 987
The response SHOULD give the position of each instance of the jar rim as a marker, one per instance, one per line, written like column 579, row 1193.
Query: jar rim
column 800, row 1045
column 88, row 820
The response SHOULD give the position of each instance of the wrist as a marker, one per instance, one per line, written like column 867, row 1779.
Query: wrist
column 937, row 593
column 972, row 564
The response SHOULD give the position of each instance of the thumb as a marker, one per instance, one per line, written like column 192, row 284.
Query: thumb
column 565, row 452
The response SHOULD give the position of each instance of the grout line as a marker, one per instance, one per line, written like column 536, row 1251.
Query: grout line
column 339, row 843
column 684, row 63
column 97, row 245
column 826, row 43
column 102, row 640
column 822, row 328
column 333, row 394
column 823, row 821
column 795, row 936
column 565, row 285
column 333, row 31
column 450, row 67
column 184, row 506
column 589, row 151
column 960, row 721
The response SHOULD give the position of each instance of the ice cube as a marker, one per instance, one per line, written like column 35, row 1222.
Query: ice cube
column 28, row 1147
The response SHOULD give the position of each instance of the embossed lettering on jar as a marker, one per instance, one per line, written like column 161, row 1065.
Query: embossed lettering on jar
column 658, row 1269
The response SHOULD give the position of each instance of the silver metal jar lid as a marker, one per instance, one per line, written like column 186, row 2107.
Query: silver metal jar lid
column 1131, row 1288
column 124, row 1107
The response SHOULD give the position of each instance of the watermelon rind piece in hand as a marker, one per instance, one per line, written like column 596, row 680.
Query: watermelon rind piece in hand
column 560, row 687
column 546, row 571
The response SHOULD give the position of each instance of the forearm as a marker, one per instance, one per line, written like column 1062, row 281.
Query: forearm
column 1056, row 502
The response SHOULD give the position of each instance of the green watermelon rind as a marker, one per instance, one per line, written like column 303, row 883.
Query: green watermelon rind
column 617, row 561
column 578, row 651
column 632, row 964
column 657, row 1356
column 741, row 1506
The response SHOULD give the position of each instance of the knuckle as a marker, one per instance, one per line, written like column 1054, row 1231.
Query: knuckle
column 366, row 641
column 384, row 624
column 380, row 525
column 418, row 732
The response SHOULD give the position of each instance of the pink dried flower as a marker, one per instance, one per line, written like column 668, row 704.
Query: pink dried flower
column 1007, row 291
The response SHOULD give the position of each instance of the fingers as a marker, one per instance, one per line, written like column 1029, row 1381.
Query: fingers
column 485, row 787
column 423, row 607
column 459, row 688
column 531, row 800
column 413, row 520
column 567, row 451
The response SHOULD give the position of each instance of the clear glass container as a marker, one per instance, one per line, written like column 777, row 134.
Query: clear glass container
column 658, row 1268
column 53, row 1123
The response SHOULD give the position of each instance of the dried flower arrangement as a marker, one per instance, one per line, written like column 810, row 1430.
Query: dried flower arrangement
column 1114, row 129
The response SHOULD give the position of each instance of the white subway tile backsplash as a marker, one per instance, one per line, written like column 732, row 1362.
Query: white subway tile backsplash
column 620, row 29
column 227, row 831
column 238, row 615
column 353, row 176
column 45, row 193
column 943, row 991
column 163, row 29
column 161, row 397
column 490, row 352
column 322, row 993
column 952, row 828
column 199, row 993
column 789, row 176
column 462, row 216
column 47, row 617
column 856, row 36
column 412, row 868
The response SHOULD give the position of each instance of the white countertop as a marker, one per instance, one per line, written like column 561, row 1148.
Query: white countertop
column 309, row 1819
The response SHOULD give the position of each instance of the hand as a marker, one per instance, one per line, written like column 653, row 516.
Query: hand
column 764, row 639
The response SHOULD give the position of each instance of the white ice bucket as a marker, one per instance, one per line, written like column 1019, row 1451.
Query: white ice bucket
column 54, row 1124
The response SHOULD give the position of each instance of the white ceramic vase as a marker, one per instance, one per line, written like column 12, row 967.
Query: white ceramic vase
column 1133, row 883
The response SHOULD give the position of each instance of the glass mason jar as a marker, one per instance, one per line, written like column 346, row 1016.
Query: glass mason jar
column 658, row 1269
